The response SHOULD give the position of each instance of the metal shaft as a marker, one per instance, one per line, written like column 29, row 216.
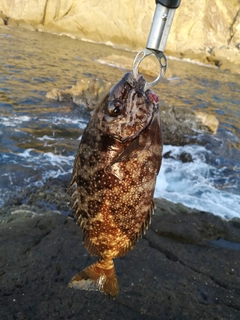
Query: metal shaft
column 160, row 28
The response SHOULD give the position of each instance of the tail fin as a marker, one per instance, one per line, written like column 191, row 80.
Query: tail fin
column 98, row 276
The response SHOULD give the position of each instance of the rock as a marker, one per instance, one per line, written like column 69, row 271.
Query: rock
column 228, row 57
column 11, row 22
column 24, row 10
column 177, row 271
column 235, row 29
column 168, row 155
column 231, row 54
column 179, row 123
column 39, row 200
column 209, row 120
column 226, row 65
column 3, row 19
column 185, row 157
column 86, row 92
column 127, row 25
column 27, row 26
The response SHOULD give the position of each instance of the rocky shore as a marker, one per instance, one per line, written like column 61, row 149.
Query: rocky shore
column 186, row 267
column 181, row 125
column 203, row 31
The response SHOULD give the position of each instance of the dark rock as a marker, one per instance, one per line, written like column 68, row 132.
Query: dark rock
column 185, row 157
column 87, row 93
column 167, row 155
column 181, row 126
column 176, row 271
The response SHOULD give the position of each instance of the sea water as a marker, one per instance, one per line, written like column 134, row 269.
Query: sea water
column 39, row 137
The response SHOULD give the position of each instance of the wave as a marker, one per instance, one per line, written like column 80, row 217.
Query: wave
column 14, row 121
column 196, row 184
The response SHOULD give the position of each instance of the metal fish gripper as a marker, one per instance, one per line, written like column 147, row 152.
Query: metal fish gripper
column 157, row 39
column 162, row 62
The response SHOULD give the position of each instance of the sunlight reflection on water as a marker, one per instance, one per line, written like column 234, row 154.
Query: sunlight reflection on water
column 39, row 137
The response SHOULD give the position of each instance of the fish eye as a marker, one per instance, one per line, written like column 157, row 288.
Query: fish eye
column 115, row 108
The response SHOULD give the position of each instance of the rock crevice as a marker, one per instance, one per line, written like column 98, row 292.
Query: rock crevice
column 162, row 278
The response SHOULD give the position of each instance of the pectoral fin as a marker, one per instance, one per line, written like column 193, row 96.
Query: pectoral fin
column 132, row 150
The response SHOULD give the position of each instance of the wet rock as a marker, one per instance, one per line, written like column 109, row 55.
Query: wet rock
column 52, row 196
column 226, row 58
column 185, row 157
column 208, row 120
column 176, row 271
column 87, row 93
column 180, row 125
column 168, row 155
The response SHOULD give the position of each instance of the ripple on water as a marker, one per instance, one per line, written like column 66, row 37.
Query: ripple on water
column 39, row 137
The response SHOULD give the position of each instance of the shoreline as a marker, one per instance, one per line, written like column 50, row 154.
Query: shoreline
column 225, row 58
column 172, row 273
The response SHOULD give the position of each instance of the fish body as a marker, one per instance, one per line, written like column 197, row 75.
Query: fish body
column 115, row 172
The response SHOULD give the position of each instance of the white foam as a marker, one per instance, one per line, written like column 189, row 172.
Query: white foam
column 14, row 121
column 65, row 120
column 58, row 159
column 41, row 158
column 193, row 62
column 42, row 166
column 45, row 137
column 25, row 153
column 193, row 183
column 55, row 174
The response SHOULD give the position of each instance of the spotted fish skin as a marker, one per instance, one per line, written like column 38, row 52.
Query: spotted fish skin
column 115, row 172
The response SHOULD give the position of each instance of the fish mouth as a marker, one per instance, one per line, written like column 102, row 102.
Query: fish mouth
column 138, row 83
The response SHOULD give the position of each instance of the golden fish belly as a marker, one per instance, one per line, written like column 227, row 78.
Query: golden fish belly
column 126, row 206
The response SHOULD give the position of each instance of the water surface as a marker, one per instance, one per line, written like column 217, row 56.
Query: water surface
column 39, row 137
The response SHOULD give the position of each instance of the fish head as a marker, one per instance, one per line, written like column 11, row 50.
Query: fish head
column 127, row 110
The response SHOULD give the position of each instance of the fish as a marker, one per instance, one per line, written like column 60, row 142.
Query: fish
column 114, row 174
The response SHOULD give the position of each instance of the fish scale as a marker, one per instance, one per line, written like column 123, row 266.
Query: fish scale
column 114, row 175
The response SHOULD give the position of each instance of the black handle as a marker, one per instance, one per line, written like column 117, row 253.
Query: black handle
column 173, row 4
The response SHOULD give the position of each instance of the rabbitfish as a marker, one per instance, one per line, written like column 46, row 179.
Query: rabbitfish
column 114, row 174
